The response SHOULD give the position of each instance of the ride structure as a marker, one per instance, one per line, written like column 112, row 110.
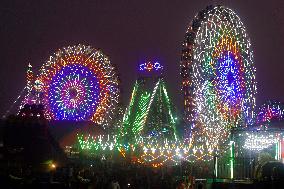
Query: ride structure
column 218, row 84
column 77, row 83
column 150, row 113
column 148, row 124
column 218, row 79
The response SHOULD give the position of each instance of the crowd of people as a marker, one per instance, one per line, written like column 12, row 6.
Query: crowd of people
column 100, row 176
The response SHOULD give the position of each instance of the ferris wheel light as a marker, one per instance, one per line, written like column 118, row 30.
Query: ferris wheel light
column 218, row 78
column 79, row 83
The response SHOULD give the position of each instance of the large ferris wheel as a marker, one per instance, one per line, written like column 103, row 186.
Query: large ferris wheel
column 218, row 75
column 79, row 83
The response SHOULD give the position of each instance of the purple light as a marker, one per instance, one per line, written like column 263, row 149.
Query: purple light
column 74, row 93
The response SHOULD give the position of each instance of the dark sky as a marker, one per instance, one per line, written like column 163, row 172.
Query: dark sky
column 130, row 31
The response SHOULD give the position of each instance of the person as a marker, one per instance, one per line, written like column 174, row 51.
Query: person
column 115, row 184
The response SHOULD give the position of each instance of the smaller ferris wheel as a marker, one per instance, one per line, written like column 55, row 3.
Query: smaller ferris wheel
column 79, row 83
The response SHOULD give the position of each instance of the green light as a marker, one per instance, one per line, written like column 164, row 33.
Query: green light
column 278, row 150
column 148, row 113
column 232, row 158
column 141, row 113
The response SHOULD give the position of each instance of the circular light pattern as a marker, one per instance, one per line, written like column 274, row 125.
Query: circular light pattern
column 79, row 83
column 218, row 78
column 74, row 93
column 270, row 111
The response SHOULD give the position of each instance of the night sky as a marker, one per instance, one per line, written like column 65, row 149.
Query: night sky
column 130, row 32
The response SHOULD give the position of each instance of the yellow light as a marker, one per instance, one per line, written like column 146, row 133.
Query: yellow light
column 53, row 166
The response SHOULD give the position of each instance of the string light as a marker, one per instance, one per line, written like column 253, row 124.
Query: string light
column 151, row 151
column 258, row 142
column 28, row 99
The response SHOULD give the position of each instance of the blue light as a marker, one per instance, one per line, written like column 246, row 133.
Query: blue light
column 73, row 93
column 149, row 66
column 158, row 66
column 229, row 79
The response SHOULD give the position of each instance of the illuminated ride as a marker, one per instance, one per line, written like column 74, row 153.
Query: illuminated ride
column 150, row 113
column 149, row 119
column 79, row 83
column 148, row 126
column 265, row 134
column 218, row 79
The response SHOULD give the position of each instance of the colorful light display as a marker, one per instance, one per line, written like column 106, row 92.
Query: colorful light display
column 79, row 83
column 30, row 77
column 150, row 66
column 219, row 85
column 149, row 112
column 218, row 78
column 270, row 111
column 148, row 119
column 28, row 99
column 157, row 152
column 74, row 93
column 259, row 141
column 151, row 151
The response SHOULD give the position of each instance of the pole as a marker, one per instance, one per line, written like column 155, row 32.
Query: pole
column 216, row 166
column 232, row 150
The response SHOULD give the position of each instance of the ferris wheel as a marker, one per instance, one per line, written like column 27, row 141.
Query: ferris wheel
column 79, row 83
column 218, row 76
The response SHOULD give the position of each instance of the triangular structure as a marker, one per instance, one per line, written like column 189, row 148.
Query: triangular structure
column 26, row 95
column 149, row 113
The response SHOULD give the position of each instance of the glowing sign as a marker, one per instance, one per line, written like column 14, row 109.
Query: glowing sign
column 150, row 66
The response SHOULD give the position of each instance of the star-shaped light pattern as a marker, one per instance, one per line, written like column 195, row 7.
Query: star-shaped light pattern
column 74, row 93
